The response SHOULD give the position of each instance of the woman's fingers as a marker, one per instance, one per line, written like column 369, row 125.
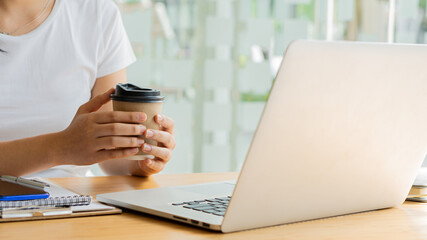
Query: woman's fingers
column 167, row 139
column 120, row 117
column 118, row 142
column 167, row 123
column 96, row 103
column 163, row 153
column 119, row 129
column 151, row 166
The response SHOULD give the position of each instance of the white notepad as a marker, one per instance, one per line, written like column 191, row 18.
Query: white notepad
column 57, row 191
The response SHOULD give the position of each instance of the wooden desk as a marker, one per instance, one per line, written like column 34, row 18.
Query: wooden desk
column 408, row 221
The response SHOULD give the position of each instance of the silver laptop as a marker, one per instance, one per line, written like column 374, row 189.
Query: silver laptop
column 344, row 130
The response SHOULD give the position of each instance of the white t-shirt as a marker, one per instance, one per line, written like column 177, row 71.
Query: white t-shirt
column 48, row 73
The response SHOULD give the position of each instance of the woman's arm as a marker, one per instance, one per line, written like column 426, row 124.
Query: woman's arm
column 28, row 155
column 165, row 137
column 90, row 138
column 95, row 134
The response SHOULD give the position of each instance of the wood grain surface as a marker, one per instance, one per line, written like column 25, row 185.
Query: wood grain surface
column 408, row 221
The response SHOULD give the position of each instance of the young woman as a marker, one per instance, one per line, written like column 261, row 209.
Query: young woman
column 59, row 63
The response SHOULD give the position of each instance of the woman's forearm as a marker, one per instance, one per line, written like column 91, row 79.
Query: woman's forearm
column 28, row 155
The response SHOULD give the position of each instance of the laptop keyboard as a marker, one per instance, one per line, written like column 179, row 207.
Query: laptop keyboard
column 215, row 206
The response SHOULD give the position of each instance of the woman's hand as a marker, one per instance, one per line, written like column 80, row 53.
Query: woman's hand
column 93, row 136
column 163, row 152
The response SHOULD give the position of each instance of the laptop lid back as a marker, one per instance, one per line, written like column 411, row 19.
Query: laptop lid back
column 344, row 131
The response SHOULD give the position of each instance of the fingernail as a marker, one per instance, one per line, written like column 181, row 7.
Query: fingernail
column 143, row 128
column 134, row 150
column 147, row 148
column 159, row 117
column 148, row 161
column 141, row 117
column 140, row 141
column 149, row 134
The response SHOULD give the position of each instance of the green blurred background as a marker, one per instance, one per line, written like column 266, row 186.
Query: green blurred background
column 215, row 60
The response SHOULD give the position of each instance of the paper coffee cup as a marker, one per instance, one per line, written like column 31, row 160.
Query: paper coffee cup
column 131, row 98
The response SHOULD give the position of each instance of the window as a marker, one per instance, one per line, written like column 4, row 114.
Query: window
column 215, row 60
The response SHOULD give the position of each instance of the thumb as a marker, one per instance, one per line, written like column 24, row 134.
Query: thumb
column 96, row 103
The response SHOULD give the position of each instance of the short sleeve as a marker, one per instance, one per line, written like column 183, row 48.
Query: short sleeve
column 116, row 51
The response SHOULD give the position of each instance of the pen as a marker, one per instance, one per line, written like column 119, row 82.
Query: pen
column 26, row 182
column 35, row 211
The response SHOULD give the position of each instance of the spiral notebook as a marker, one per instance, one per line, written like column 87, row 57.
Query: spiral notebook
column 75, row 200
column 81, row 205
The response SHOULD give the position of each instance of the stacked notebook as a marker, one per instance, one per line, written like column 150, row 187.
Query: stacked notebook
column 62, row 203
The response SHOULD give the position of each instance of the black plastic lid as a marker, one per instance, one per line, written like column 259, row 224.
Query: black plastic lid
column 127, row 92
